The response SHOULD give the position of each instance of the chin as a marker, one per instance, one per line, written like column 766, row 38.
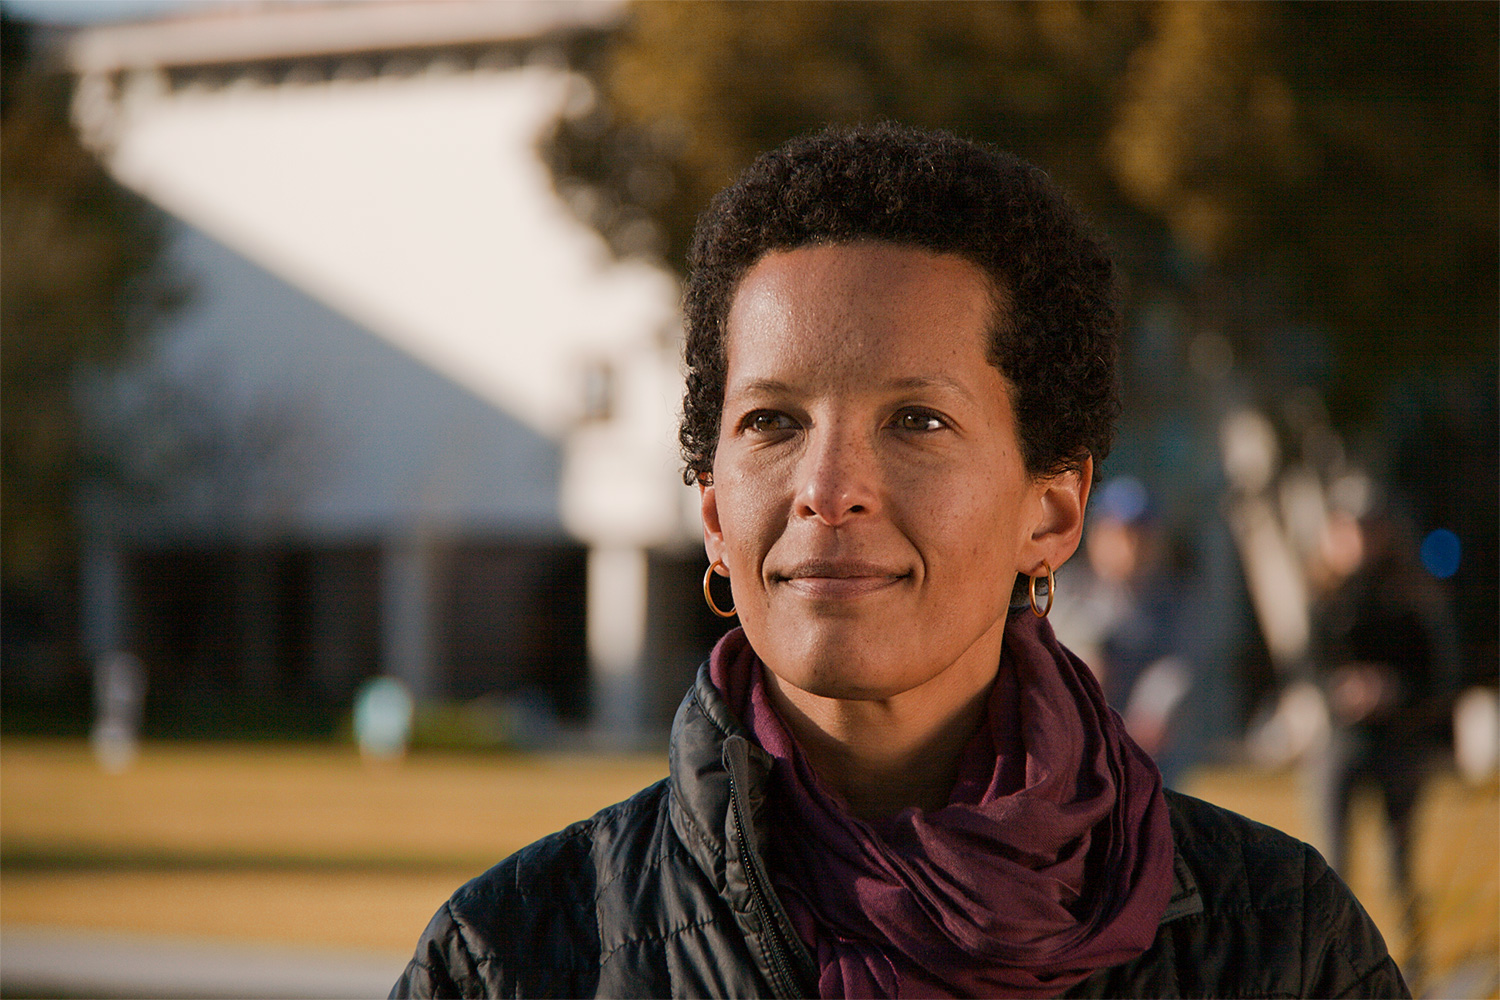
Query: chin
column 838, row 688
column 843, row 671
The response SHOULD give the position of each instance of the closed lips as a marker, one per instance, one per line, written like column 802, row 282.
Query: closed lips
column 834, row 578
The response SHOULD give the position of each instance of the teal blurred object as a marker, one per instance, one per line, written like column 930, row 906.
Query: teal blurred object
column 383, row 712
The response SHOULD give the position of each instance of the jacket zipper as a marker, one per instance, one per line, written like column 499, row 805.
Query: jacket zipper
column 751, row 862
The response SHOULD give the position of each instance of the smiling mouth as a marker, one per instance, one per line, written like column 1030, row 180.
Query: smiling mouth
column 839, row 579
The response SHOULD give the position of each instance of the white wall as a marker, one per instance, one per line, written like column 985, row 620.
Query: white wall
column 417, row 207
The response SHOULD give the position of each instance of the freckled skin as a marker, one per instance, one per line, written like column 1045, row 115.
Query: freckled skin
column 869, row 498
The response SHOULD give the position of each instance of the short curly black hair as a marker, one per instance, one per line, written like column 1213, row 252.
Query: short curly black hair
column 1056, row 343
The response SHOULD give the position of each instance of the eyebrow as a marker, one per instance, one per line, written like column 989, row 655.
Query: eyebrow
column 931, row 382
column 762, row 387
column 776, row 387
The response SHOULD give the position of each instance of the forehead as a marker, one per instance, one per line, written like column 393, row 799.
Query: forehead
column 857, row 307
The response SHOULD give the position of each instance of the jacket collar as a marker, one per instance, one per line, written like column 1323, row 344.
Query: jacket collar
column 700, row 798
column 716, row 806
column 1185, row 900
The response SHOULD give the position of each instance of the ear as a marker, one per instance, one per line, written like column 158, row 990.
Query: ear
column 713, row 533
column 1060, row 504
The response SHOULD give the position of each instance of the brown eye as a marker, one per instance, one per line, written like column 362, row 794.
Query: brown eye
column 766, row 422
column 918, row 420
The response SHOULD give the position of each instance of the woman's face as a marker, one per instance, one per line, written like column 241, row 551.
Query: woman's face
column 869, row 497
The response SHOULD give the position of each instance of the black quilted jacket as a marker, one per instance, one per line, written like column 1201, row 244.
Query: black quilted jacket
column 666, row 895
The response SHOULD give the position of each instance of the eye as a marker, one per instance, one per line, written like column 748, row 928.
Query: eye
column 768, row 422
column 918, row 420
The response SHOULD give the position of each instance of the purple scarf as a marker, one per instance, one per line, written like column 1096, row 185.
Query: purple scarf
column 1052, row 860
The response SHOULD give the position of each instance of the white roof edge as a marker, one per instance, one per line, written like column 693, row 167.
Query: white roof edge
column 296, row 30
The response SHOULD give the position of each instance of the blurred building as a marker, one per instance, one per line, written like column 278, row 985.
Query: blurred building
column 415, row 417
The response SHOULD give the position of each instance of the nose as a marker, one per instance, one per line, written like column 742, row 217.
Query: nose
column 838, row 476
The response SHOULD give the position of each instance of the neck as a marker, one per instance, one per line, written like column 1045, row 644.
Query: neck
column 887, row 755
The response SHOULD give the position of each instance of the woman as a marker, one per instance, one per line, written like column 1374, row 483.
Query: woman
column 892, row 781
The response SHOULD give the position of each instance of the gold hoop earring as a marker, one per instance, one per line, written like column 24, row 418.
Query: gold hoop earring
column 708, row 594
column 1051, row 589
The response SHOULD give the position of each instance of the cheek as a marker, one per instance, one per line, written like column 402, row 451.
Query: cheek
column 974, row 523
column 746, row 517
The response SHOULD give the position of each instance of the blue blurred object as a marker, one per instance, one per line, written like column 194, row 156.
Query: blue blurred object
column 1441, row 552
column 1125, row 499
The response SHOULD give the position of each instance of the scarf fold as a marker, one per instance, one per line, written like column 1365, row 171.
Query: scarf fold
column 1052, row 860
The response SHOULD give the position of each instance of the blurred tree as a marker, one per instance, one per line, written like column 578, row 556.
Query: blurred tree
column 81, row 281
column 691, row 92
column 1344, row 155
column 1323, row 164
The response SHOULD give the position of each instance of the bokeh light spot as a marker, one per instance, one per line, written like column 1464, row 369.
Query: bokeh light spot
column 1440, row 553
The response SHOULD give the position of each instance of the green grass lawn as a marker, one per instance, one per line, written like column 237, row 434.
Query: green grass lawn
column 312, row 845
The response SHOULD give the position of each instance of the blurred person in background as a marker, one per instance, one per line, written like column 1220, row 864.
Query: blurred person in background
column 893, row 780
column 1389, row 652
column 1124, row 617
